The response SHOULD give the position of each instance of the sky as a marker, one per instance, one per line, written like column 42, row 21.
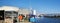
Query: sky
column 42, row 6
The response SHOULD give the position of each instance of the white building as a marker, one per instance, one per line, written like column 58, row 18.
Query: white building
column 34, row 12
column 16, row 9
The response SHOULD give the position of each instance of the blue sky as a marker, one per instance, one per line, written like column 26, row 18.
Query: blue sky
column 42, row 6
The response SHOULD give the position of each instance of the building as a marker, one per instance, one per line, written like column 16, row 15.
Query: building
column 25, row 12
column 14, row 12
column 9, row 12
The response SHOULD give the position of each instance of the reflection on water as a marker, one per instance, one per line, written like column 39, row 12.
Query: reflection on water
column 48, row 20
column 41, row 17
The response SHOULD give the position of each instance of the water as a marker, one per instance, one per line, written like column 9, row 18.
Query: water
column 47, row 20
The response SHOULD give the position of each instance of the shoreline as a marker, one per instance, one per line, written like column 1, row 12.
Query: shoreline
column 52, row 16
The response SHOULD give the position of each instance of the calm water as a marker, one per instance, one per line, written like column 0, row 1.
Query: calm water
column 47, row 20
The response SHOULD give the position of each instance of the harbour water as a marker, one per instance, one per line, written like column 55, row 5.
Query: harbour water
column 47, row 20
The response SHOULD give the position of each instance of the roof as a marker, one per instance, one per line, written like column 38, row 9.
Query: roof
column 9, row 8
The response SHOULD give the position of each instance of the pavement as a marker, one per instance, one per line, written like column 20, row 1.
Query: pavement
column 1, row 21
column 10, row 21
column 24, row 22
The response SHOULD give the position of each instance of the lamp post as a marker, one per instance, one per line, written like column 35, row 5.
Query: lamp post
column 12, row 16
column 17, row 16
